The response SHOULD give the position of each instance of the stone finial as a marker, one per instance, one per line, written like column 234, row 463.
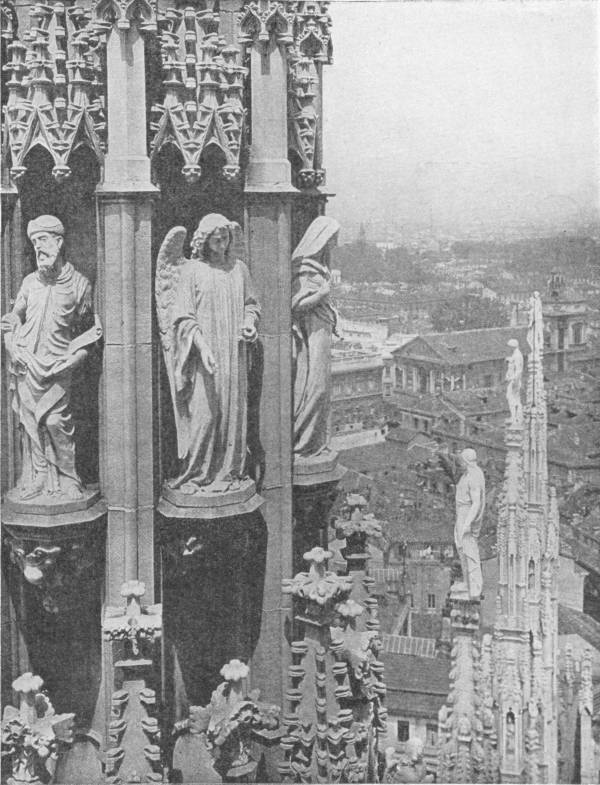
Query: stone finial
column 229, row 724
column 318, row 586
column 33, row 734
column 135, row 623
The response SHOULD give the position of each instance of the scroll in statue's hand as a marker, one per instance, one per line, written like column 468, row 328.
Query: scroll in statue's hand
column 69, row 362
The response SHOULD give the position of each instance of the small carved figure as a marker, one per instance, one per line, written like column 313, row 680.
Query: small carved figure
column 514, row 377
column 46, row 337
column 208, row 314
column 313, row 322
column 470, row 504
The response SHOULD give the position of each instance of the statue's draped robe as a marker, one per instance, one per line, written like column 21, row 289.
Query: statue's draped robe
column 470, row 487
column 50, row 316
column 211, row 410
column 313, row 325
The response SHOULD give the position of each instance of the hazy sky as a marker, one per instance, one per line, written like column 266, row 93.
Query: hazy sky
column 470, row 113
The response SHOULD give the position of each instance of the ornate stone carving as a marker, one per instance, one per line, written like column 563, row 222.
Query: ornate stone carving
column 227, row 727
column 406, row 766
column 54, row 96
column 312, row 49
column 106, row 13
column 47, row 335
column 33, row 734
column 140, row 626
column 55, row 570
column 208, row 315
column 313, row 322
column 9, row 22
column 130, row 637
column 203, row 89
column 470, row 504
column 303, row 119
column 260, row 20
column 336, row 681
column 356, row 526
column 318, row 585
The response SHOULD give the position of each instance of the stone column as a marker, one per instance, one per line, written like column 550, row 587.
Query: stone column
column 268, row 225
column 125, row 295
column 268, row 209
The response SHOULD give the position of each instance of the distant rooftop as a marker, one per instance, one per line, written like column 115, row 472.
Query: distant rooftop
column 572, row 622
column 462, row 347
column 416, row 686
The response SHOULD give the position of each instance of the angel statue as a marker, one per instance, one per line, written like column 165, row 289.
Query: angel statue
column 313, row 322
column 207, row 315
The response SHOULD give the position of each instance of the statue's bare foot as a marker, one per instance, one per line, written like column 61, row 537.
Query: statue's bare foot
column 34, row 489
column 71, row 489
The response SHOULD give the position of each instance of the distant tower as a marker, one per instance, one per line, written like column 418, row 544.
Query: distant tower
column 362, row 235
column 525, row 640
column 501, row 721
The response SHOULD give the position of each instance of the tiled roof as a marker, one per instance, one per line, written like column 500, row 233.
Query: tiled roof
column 572, row 622
column 405, row 644
column 417, row 686
column 462, row 347
column 372, row 457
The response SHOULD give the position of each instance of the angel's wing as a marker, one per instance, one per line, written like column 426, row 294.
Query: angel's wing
column 168, row 268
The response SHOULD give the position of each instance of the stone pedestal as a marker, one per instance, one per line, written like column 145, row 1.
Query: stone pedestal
column 210, row 506
column 53, row 572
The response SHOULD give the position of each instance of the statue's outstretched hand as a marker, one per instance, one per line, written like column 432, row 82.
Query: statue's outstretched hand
column 208, row 360
column 249, row 332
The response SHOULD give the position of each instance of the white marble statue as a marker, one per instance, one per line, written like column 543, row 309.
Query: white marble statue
column 208, row 314
column 514, row 378
column 470, row 504
column 313, row 322
column 46, row 337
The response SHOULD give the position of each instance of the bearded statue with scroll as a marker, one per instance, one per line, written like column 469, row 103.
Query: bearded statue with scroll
column 208, row 315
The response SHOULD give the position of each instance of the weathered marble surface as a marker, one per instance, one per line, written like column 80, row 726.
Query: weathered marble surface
column 47, row 335
column 208, row 314
column 313, row 322
column 470, row 505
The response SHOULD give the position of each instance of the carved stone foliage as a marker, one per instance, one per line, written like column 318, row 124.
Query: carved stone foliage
column 227, row 728
column 33, row 734
column 54, row 97
column 106, row 13
column 465, row 726
column 302, row 29
column 312, row 48
column 260, row 20
column 130, row 638
column 202, row 91
column 357, row 526
column 336, row 690
column 407, row 765
column 138, row 625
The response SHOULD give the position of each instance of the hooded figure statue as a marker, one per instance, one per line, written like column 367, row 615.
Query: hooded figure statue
column 313, row 322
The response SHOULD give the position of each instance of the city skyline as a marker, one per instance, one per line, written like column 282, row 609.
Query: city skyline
column 489, row 117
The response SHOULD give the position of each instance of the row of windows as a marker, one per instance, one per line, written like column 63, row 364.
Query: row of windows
column 403, row 732
column 431, row 601
column 355, row 386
